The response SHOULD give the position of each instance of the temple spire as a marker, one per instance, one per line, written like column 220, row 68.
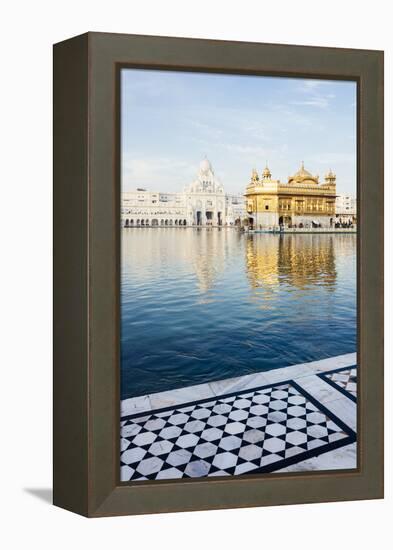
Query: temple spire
column 266, row 174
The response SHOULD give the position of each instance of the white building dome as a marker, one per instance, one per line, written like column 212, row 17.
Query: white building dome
column 205, row 167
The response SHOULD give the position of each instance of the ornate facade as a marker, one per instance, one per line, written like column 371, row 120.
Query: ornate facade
column 301, row 202
column 201, row 203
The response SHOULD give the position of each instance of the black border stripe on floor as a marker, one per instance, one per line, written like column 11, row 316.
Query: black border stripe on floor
column 323, row 376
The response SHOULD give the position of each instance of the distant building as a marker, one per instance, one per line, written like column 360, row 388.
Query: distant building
column 346, row 209
column 201, row 203
column 301, row 202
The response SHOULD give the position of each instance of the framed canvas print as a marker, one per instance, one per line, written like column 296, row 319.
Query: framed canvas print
column 218, row 274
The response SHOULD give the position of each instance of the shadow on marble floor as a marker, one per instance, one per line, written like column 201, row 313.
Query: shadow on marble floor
column 45, row 494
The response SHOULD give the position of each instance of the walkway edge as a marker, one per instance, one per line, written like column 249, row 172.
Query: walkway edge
column 178, row 396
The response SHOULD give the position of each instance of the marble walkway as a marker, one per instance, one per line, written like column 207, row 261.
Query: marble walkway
column 297, row 418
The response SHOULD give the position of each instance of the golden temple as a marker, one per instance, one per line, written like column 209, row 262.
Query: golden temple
column 301, row 202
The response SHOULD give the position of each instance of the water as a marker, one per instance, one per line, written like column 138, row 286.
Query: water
column 202, row 305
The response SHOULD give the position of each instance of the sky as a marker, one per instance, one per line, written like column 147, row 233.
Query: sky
column 171, row 120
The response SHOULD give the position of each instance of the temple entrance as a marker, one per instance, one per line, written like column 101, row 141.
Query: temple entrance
column 219, row 218
column 285, row 220
column 199, row 217
column 251, row 223
column 209, row 217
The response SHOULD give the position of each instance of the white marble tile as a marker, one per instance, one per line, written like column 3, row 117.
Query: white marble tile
column 182, row 456
column 255, row 436
column 179, row 418
column 250, row 452
column 189, row 440
column 286, row 373
column 170, row 473
column 222, row 408
column 154, row 424
column 331, row 363
column 130, row 430
column 194, row 426
column 225, row 460
column 211, row 434
column 201, row 414
column 229, row 385
column 144, row 438
column 126, row 473
column 160, row 447
column 219, row 473
column 135, row 454
column 275, row 429
column 135, row 405
column 345, row 409
column 238, row 415
column 268, row 459
column 256, row 422
column 217, row 420
column 339, row 459
column 197, row 468
column 203, row 450
column 182, row 395
column 149, row 466
column 318, row 388
column 170, row 432
column 243, row 468
column 229, row 443
column 274, row 445
column 235, row 428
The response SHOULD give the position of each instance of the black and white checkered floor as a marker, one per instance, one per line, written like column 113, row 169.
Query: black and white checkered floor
column 344, row 380
column 253, row 431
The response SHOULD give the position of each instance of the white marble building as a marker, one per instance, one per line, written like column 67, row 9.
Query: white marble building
column 345, row 209
column 201, row 203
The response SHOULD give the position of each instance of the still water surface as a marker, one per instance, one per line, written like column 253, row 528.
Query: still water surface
column 204, row 304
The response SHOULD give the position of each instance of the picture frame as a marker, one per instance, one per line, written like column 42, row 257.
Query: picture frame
column 87, row 273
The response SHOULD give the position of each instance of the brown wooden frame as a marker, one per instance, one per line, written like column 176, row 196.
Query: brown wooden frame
column 86, row 273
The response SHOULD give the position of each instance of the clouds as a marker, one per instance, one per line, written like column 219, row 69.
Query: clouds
column 171, row 120
column 156, row 173
column 317, row 93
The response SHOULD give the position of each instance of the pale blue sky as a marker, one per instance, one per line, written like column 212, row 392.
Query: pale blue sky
column 170, row 120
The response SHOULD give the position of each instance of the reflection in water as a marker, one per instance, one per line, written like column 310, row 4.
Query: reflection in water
column 201, row 305
column 291, row 259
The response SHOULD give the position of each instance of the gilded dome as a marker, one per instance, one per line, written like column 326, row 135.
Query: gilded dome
column 303, row 176
column 330, row 174
column 266, row 174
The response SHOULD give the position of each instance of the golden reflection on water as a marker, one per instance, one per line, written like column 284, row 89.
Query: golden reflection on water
column 295, row 260
column 267, row 261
